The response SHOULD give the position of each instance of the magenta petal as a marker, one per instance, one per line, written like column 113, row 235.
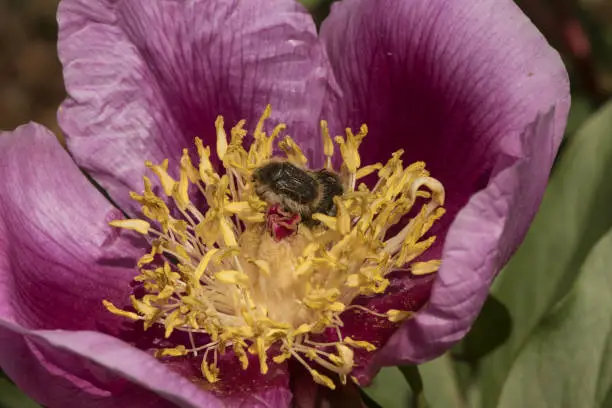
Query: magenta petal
column 237, row 387
column 58, row 260
column 480, row 241
column 145, row 78
column 58, row 256
column 87, row 369
column 455, row 84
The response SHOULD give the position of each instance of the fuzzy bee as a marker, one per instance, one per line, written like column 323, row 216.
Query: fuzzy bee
column 293, row 190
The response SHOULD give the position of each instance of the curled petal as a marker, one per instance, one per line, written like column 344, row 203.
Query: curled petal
column 480, row 241
column 458, row 85
column 74, row 369
column 145, row 78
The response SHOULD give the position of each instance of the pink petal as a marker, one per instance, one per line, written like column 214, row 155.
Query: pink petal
column 58, row 256
column 71, row 369
column 145, row 77
column 480, row 241
column 455, row 84
column 239, row 388
column 58, row 260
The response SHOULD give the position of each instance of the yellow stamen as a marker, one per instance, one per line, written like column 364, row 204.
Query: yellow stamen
column 111, row 308
column 251, row 294
column 424, row 268
column 140, row 226
column 328, row 145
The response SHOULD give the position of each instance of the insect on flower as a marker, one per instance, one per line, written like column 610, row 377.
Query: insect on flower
column 295, row 194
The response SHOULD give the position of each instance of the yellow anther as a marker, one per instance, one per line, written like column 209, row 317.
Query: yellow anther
column 228, row 235
column 173, row 352
column 343, row 219
column 238, row 133
column 328, row 144
column 221, row 138
column 161, row 171
column 143, row 308
column 424, row 268
column 322, row 379
column 232, row 277
column 210, row 371
column 203, row 265
column 238, row 207
column 329, row 222
column 367, row 170
column 258, row 133
column 293, row 151
column 261, row 353
column 140, row 226
column 113, row 309
column 397, row 316
column 186, row 164
column 359, row 344
column 181, row 193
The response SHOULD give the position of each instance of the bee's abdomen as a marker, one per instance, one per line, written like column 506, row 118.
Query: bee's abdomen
column 289, row 181
column 329, row 186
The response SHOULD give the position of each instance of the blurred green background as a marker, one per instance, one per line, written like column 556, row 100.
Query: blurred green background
column 544, row 338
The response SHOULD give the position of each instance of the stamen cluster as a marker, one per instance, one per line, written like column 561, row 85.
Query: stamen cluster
column 217, row 273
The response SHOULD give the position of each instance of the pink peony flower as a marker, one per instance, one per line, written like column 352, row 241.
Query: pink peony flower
column 470, row 87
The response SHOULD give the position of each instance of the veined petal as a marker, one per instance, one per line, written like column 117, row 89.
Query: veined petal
column 455, row 84
column 145, row 78
column 58, row 256
column 73, row 369
column 58, row 260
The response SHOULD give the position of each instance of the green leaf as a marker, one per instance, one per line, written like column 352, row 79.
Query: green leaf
column 432, row 385
column 12, row 397
column 581, row 109
column 441, row 384
column 413, row 378
column 389, row 389
column 567, row 362
column 490, row 330
column 574, row 215
column 312, row 4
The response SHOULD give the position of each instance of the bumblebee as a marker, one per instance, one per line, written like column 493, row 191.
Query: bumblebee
column 298, row 191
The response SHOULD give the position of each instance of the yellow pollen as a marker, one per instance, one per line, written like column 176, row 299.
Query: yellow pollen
column 233, row 284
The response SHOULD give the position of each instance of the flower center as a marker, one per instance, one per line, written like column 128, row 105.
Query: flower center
column 227, row 275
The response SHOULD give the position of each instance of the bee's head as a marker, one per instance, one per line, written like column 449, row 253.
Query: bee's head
column 264, row 178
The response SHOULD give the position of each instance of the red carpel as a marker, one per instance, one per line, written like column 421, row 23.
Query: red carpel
column 281, row 224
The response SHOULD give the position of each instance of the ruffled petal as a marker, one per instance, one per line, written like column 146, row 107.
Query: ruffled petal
column 71, row 369
column 58, row 256
column 455, row 84
column 145, row 78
